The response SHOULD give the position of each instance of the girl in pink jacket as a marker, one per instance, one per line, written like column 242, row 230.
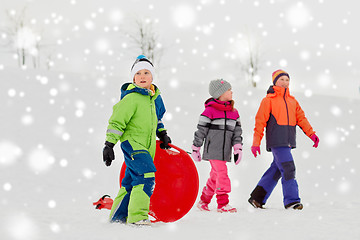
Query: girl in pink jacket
column 219, row 125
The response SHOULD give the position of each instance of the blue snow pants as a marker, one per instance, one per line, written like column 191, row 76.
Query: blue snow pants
column 282, row 167
column 133, row 200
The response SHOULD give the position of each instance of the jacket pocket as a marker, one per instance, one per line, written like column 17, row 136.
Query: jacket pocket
column 208, row 146
column 141, row 162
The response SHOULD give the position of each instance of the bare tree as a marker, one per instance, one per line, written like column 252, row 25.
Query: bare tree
column 250, row 61
column 21, row 38
column 49, row 60
column 146, row 40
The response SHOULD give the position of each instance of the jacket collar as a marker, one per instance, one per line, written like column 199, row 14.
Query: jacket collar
column 278, row 91
column 127, row 88
column 220, row 105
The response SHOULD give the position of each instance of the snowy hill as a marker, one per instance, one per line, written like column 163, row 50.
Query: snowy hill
column 52, row 132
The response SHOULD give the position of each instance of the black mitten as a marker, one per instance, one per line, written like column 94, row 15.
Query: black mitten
column 165, row 140
column 108, row 153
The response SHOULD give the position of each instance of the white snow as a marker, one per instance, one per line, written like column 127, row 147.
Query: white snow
column 9, row 152
column 7, row 186
column 40, row 159
column 51, row 196
column 52, row 204
column 53, row 121
column 28, row 227
column 26, row 39
column 183, row 16
column 298, row 15
column 27, row 119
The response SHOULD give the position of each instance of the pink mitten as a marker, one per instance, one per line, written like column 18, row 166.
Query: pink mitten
column 196, row 153
column 255, row 150
column 315, row 139
column 237, row 153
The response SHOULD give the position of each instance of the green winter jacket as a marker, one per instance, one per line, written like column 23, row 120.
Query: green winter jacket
column 136, row 118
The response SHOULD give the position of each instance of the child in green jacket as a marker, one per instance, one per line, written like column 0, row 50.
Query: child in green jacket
column 135, row 122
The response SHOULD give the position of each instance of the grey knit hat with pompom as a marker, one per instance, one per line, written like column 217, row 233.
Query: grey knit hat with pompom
column 218, row 87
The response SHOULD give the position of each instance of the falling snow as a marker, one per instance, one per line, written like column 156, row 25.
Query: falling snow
column 9, row 152
column 40, row 159
column 54, row 116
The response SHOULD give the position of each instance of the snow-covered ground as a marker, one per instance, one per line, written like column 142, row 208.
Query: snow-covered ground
column 52, row 133
column 53, row 122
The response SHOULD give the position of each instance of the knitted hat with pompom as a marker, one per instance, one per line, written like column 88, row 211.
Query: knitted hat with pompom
column 218, row 87
column 141, row 63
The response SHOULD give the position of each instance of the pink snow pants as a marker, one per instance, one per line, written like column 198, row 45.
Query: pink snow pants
column 218, row 183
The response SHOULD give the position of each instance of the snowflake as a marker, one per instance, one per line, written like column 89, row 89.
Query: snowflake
column 40, row 159
column 9, row 153
column 298, row 16
column 184, row 16
column 21, row 221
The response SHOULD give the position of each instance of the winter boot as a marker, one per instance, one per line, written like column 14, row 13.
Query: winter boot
column 295, row 205
column 227, row 208
column 203, row 206
column 255, row 204
column 144, row 222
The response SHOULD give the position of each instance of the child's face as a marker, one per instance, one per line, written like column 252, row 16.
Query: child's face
column 283, row 81
column 143, row 78
column 227, row 96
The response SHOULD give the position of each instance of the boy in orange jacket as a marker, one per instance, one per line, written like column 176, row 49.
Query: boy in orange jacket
column 280, row 113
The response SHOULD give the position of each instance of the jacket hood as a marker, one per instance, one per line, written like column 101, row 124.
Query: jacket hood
column 127, row 88
column 220, row 105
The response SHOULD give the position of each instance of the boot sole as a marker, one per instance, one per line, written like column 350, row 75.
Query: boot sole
column 295, row 206
column 230, row 211
column 255, row 204
column 203, row 210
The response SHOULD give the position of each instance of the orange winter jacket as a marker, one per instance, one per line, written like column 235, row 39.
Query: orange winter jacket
column 279, row 112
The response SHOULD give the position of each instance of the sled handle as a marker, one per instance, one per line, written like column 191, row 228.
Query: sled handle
column 177, row 148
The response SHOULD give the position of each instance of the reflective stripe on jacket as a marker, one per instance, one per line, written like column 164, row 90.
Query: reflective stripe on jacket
column 136, row 118
column 280, row 113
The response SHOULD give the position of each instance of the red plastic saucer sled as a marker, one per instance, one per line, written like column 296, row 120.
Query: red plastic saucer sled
column 176, row 185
